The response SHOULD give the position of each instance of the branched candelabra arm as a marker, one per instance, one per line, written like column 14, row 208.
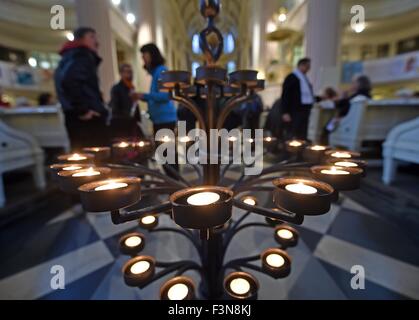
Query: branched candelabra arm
column 231, row 104
column 170, row 267
column 279, row 215
column 190, row 105
column 119, row 217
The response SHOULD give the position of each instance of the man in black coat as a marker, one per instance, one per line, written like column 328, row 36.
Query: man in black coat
column 297, row 100
column 77, row 86
column 125, row 111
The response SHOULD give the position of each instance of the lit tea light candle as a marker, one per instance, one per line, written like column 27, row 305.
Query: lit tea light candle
column 335, row 171
column 341, row 155
column 318, row 148
column 184, row 139
column 275, row 260
column 203, row 198
column 166, row 139
column 141, row 144
column 268, row 139
column 240, row 286
column 301, row 188
column 133, row 241
column 86, row 173
column 72, row 168
column 123, row 145
column 251, row 140
column 148, row 220
column 112, row 186
column 178, row 292
column 250, row 201
column 295, row 144
column 232, row 139
column 76, row 157
column 346, row 164
column 140, row 267
column 285, row 234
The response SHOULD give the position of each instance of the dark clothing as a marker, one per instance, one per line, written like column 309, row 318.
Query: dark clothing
column 343, row 105
column 291, row 104
column 77, row 82
column 83, row 134
column 77, row 86
column 251, row 113
column 171, row 126
column 124, row 121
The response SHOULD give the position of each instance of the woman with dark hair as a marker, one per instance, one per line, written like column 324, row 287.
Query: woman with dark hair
column 161, row 109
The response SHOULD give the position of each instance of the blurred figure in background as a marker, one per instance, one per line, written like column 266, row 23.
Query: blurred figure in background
column 125, row 109
column 251, row 112
column 297, row 100
column 77, row 86
column 45, row 99
column 3, row 102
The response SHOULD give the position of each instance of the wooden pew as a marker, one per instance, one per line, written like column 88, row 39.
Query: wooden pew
column 402, row 144
column 367, row 120
column 46, row 124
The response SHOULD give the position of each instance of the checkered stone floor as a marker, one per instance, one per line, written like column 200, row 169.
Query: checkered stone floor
column 330, row 245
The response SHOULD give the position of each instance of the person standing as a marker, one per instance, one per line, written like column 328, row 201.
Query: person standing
column 297, row 100
column 161, row 109
column 125, row 110
column 77, row 86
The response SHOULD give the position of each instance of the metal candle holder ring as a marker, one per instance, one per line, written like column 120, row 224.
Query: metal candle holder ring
column 196, row 216
column 303, row 204
column 77, row 158
column 340, row 182
column 244, row 77
column 165, row 289
column 97, row 200
column 70, row 181
column 314, row 154
column 100, row 153
column 137, row 280
column 276, row 271
column 212, row 74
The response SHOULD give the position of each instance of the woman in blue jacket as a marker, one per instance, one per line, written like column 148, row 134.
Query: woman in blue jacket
column 161, row 109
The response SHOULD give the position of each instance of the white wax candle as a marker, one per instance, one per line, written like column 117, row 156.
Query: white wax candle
column 346, row 164
column 140, row 267
column 148, row 220
column 178, row 292
column 301, row 188
column 342, row 155
column 112, row 186
column 203, row 198
column 318, row 148
column 134, row 241
column 335, row 171
column 285, row 234
column 76, row 157
column 240, row 286
column 275, row 260
column 295, row 144
column 86, row 173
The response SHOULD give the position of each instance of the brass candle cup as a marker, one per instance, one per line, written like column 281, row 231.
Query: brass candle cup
column 69, row 181
column 94, row 200
column 132, row 279
column 165, row 293
column 276, row 271
column 340, row 182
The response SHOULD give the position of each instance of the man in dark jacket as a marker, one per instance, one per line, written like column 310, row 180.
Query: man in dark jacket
column 78, row 91
column 297, row 100
column 125, row 111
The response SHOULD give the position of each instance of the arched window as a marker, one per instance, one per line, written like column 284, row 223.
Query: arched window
column 195, row 65
column 229, row 44
column 195, row 44
column 231, row 66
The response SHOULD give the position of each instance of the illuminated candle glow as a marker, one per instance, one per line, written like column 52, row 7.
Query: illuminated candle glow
column 295, row 144
column 178, row 292
column 140, row 267
column 285, row 234
column 86, row 173
column 72, row 168
column 335, row 171
column 203, row 198
column 341, row 155
column 240, row 286
column 268, row 139
column 166, row 139
column 141, row 144
column 232, row 139
column 301, row 188
column 112, row 186
column 184, row 139
column 250, row 201
column 318, row 148
column 148, row 220
column 275, row 260
column 123, row 145
column 76, row 157
column 133, row 241
column 346, row 164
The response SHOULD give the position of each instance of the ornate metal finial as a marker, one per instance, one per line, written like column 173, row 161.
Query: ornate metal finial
column 210, row 39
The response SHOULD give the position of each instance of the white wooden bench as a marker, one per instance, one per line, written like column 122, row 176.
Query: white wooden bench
column 318, row 120
column 370, row 120
column 402, row 144
column 19, row 150
column 46, row 124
